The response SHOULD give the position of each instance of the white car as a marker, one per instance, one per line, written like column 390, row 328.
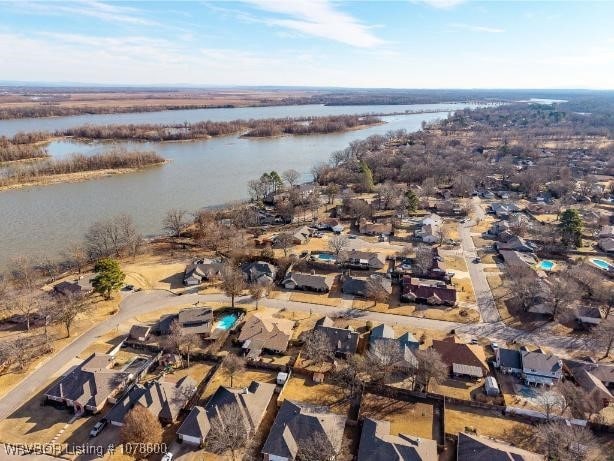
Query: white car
column 168, row 456
column 98, row 427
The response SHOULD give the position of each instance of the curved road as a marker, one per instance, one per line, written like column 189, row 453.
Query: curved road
column 148, row 301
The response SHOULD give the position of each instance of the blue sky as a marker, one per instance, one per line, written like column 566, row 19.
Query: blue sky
column 404, row 44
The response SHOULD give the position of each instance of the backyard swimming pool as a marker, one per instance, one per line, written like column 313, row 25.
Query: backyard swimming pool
column 601, row 264
column 325, row 256
column 546, row 265
column 226, row 322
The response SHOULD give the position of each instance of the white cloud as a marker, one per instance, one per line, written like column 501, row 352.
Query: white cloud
column 441, row 4
column 318, row 18
column 474, row 28
column 89, row 8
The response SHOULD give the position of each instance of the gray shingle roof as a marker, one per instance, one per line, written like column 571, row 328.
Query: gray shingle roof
column 377, row 444
column 252, row 402
column 474, row 448
column 297, row 422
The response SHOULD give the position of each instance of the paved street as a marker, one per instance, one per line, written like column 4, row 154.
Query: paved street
column 147, row 301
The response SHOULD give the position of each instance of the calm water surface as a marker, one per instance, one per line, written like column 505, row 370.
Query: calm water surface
column 44, row 220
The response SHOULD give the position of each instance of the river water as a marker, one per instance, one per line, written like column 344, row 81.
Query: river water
column 46, row 219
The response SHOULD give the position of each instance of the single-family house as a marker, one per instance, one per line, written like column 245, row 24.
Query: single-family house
column 354, row 259
column 374, row 228
column 330, row 224
column 261, row 332
column 606, row 232
column 164, row 398
column 139, row 333
column 118, row 412
column 197, row 320
column 471, row 447
column 606, row 244
column 359, row 287
column 80, row 287
column 344, row 341
column 589, row 316
column 432, row 292
column 378, row 444
column 504, row 210
column 259, row 272
column 201, row 270
column 515, row 243
column 406, row 346
column 594, row 387
column 462, row 359
column 252, row 402
column 305, row 282
column 540, row 368
column 301, row 235
column 508, row 361
column 90, row 385
column 299, row 423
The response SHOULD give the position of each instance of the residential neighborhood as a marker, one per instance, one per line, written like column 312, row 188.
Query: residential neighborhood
column 368, row 322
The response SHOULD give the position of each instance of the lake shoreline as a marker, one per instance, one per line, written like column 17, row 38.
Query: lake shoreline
column 79, row 176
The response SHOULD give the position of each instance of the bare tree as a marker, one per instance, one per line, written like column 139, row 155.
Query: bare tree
column 182, row 341
column 423, row 259
column 229, row 431
column 564, row 292
column 141, row 433
column 331, row 191
column 549, row 402
column 291, row 176
column 350, row 376
column 317, row 347
column 110, row 237
column 233, row 283
column 284, row 241
column 174, row 222
column 233, row 365
column 375, row 290
column 603, row 335
column 431, row 367
column 68, row 307
column 578, row 401
column 22, row 273
column 257, row 291
column 25, row 303
column 338, row 243
column 76, row 257
column 317, row 447
column 384, row 358
column 47, row 268
column 563, row 442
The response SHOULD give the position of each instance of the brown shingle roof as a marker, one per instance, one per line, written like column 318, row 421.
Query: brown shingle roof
column 462, row 354
column 264, row 332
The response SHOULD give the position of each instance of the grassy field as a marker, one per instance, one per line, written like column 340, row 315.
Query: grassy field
column 404, row 417
column 242, row 379
column 486, row 424
column 302, row 389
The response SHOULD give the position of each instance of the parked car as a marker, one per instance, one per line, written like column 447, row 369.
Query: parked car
column 351, row 236
column 98, row 427
column 494, row 346
column 477, row 260
column 474, row 340
column 168, row 456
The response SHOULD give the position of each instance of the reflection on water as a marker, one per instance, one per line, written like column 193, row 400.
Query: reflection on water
column 46, row 219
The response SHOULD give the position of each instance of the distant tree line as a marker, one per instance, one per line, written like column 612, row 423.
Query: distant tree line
column 206, row 129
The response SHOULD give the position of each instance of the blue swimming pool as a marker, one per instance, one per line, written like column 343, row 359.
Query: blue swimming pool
column 601, row 264
column 326, row 256
column 546, row 265
column 226, row 322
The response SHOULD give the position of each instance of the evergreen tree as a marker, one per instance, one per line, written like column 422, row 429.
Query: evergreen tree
column 367, row 177
column 412, row 201
column 571, row 228
column 109, row 277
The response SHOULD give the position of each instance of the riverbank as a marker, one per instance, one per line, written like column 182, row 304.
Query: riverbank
column 77, row 176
